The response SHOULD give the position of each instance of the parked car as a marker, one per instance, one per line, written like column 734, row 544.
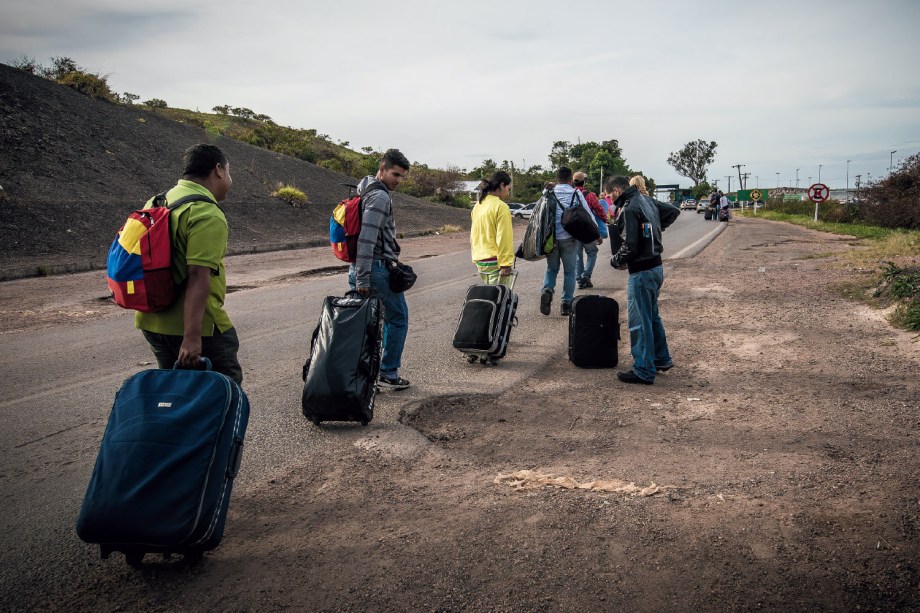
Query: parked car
column 687, row 203
column 524, row 212
column 701, row 206
column 514, row 206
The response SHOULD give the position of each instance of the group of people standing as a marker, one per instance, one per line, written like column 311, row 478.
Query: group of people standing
column 196, row 324
column 627, row 215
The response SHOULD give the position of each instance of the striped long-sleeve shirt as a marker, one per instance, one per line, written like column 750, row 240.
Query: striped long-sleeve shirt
column 377, row 240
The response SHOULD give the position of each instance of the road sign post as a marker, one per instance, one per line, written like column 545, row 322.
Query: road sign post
column 818, row 193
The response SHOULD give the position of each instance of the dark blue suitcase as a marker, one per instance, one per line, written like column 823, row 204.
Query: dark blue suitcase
column 166, row 465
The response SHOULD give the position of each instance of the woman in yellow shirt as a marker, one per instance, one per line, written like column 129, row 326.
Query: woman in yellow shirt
column 491, row 235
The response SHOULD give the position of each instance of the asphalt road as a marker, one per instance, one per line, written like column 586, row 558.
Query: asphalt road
column 58, row 383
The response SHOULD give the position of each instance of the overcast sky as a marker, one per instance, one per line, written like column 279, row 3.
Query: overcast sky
column 778, row 85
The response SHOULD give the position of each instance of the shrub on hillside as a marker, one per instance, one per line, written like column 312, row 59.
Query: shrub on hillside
column 290, row 195
column 91, row 85
column 894, row 202
column 65, row 71
column 156, row 103
column 424, row 182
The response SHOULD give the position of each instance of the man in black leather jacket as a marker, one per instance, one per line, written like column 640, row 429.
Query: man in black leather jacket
column 636, row 245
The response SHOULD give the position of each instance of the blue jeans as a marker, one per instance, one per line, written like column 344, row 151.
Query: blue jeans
column 565, row 251
column 583, row 270
column 395, row 317
column 647, row 339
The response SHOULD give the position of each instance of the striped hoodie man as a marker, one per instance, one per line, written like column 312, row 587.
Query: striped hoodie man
column 377, row 251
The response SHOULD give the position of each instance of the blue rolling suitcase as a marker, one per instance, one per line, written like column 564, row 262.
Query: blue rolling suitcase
column 166, row 465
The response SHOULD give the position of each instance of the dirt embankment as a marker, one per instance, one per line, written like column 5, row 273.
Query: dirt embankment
column 73, row 168
column 774, row 468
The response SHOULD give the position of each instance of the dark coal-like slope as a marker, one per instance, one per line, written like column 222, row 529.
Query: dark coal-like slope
column 72, row 168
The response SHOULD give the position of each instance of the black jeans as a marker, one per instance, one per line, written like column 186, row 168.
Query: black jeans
column 221, row 349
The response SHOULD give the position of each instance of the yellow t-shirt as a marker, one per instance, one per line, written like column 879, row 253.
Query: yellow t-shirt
column 199, row 237
column 491, row 235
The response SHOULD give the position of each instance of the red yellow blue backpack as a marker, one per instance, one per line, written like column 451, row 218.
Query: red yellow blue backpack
column 345, row 226
column 139, row 264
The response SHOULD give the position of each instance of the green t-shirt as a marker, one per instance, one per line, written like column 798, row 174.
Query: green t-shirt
column 199, row 237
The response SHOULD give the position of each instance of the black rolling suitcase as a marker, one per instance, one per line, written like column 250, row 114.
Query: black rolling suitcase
column 340, row 376
column 594, row 330
column 485, row 322
column 166, row 465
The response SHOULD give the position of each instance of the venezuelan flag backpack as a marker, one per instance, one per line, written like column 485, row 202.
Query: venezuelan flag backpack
column 139, row 265
column 345, row 226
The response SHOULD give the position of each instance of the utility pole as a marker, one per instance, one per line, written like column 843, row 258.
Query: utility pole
column 891, row 160
column 511, row 195
column 729, row 177
column 809, row 181
column 744, row 180
column 848, row 181
column 715, row 184
column 738, row 166
column 858, row 177
column 797, row 178
column 777, row 180
column 819, row 172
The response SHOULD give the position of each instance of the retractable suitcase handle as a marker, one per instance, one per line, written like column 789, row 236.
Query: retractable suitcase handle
column 513, row 275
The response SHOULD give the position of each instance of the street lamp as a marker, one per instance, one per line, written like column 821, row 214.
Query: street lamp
column 891, row 160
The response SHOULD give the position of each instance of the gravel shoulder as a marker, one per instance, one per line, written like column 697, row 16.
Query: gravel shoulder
column 775, row 467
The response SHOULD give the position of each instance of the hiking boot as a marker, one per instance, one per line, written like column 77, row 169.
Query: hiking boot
column 397, row 383
column 664, row 368
column 586, row 283
column 546, row 301
column 565, row 309
column 630, row 376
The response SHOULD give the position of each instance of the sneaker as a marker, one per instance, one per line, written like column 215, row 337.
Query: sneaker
column 664, row 368
column 630, row 376
column 586, row 283
column 581, row 284
column 565, row 309
column 393, row 384
column 546, row 301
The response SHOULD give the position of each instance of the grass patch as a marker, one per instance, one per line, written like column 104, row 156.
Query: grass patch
column 290, row 195
column 876, row 250
column 449, row 229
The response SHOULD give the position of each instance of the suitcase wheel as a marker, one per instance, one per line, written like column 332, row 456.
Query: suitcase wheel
column 315, row 421
column 135, row 559
column 364, row 422
column 471, row 359
column 193, row 557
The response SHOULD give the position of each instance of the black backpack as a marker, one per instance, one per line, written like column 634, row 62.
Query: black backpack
column 578, row 222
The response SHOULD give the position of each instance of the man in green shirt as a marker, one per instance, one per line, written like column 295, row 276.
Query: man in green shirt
column 196, row 325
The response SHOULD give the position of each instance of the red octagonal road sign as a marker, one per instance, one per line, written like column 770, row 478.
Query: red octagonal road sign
column 818, row 192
